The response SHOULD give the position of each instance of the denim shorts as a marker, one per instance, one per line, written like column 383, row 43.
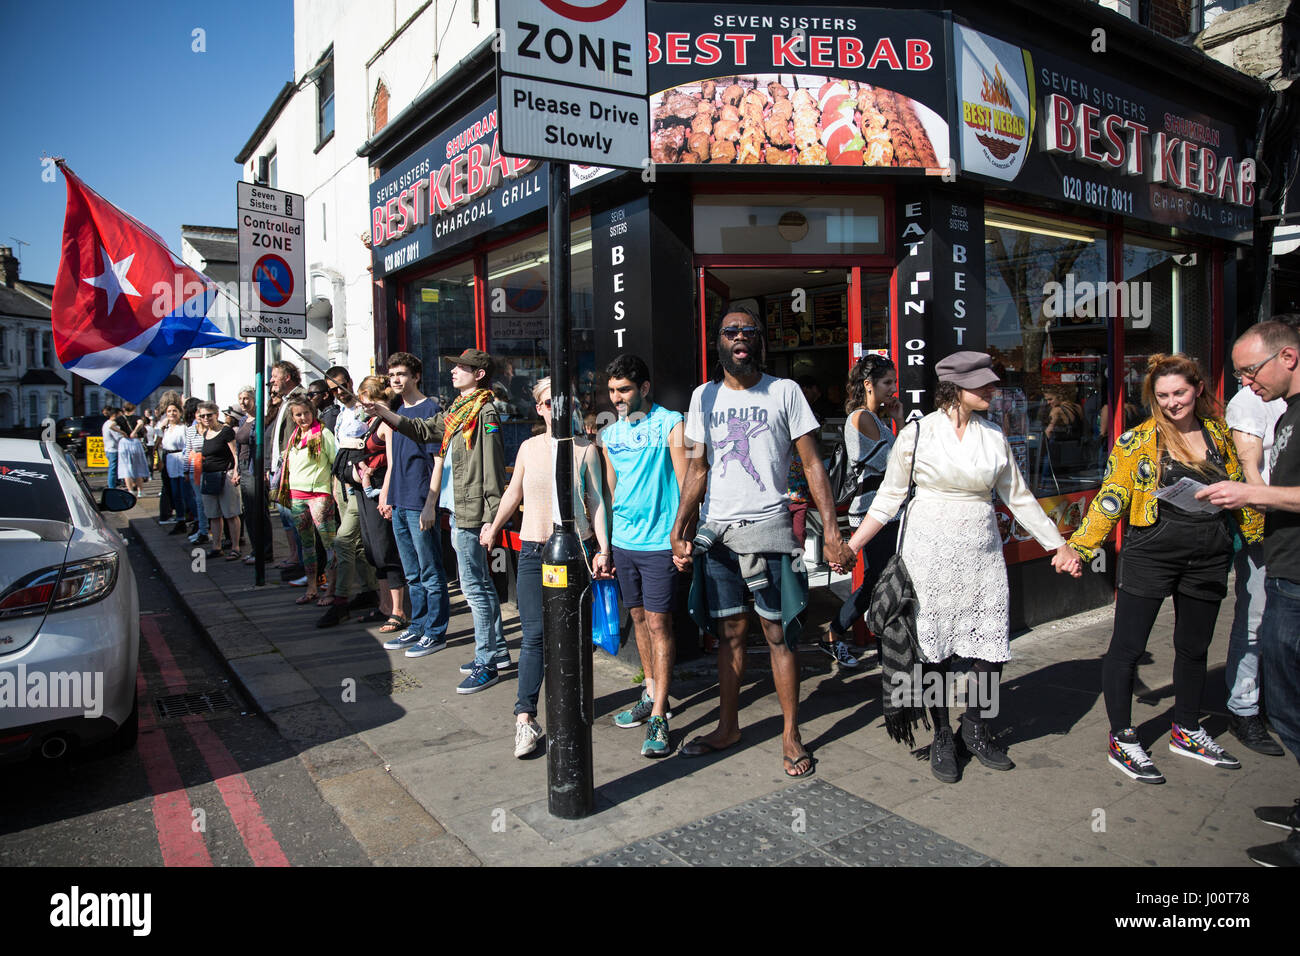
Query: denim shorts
column 725, row 589
column 647, row 579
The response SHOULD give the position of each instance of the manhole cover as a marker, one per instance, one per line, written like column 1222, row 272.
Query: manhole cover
column 393, row 682
column 184, row 705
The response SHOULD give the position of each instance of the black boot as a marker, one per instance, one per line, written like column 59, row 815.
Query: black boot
column 975, row 735
column 943, row 755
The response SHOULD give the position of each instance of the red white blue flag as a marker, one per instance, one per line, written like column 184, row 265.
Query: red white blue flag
column 125, row 309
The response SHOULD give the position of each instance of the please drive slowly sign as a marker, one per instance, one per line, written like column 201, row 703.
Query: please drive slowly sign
column 571, row 81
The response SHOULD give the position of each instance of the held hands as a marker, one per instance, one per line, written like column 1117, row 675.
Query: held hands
column 1066, row 561
column 486, row 536
column 838, row 554
column 682, row 553
column 602, row 566
column 1226, row 494
column 234, row 478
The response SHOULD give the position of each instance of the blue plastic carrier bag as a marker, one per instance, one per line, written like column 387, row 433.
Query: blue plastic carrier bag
column 604, row 615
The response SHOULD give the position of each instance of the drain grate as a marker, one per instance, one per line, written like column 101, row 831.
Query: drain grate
column 393, row 682
column 185, row 705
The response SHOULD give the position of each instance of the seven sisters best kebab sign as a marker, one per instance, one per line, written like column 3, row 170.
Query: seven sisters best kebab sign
column 818, row 86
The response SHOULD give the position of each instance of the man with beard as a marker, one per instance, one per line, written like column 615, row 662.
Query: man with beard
column 744, row 547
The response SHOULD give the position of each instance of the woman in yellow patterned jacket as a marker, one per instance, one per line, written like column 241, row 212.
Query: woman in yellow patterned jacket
column 1168, row 550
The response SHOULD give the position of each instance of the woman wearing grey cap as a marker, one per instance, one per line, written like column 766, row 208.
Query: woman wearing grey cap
column 952, row 547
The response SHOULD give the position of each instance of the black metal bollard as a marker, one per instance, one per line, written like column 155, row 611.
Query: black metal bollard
column 566, row 603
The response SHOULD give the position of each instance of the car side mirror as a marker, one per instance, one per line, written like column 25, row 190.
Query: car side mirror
column 115, row 499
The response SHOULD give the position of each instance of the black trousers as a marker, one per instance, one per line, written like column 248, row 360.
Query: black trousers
column 1193, row 629
column 874, row 557
column 256, row 520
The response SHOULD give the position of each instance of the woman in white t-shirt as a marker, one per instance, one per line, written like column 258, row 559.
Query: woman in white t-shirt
column 172, row 446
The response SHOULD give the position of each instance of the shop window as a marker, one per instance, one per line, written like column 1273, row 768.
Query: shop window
column 440, row 321
column 1168, row 289
column 789, row 225
column 1048, row 322
column 519, row 328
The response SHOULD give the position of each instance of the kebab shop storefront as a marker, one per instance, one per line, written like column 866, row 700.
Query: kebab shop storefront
column 907, row 182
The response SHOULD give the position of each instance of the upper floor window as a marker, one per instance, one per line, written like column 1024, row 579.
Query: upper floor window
column 33, row 349
column 325, row 100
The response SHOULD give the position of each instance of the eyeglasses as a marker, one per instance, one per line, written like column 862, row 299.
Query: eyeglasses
column 734, row 332
column 1251, row 371
column 546, row 404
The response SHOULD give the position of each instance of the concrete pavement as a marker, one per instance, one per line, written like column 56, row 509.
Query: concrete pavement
column 370, row 721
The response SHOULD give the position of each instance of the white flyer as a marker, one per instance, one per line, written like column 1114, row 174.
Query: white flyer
column 1182, row 494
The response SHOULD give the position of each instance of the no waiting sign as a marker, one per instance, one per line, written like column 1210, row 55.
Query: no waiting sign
column 571, row 81
column 272, row 263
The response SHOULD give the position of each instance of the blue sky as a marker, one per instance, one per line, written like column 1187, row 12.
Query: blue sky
column 116, row 88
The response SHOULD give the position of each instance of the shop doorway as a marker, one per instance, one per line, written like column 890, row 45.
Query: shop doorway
column 819, row 321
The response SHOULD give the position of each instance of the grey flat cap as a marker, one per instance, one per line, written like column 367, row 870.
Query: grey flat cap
column 967, row 369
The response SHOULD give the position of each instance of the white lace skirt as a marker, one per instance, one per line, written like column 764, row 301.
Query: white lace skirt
column 954, row 554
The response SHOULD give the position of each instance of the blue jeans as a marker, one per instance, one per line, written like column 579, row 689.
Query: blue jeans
column 426, row 581
column 480, row 594
column 529, row 586
column 1242, row 669
column 112, row 468
column 1279, row 646
column 192, row 503
column 175, row 483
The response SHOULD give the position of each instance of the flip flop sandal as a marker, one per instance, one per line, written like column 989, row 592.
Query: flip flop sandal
column 232, row 555
column 792, row 763
column 307, row 599
column 394, row 625
column 373, row 615
column 325, row 600
column 699, row 747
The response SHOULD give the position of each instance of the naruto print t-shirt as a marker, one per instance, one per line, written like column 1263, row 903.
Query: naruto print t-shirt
column 749, row 435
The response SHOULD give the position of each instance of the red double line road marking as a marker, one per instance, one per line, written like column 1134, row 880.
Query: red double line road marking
column 172, row 815
column 243, row 806
column 263, row 848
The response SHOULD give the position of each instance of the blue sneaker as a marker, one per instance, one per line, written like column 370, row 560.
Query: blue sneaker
column 656, row 738
column 426, row 645
column 480, row 678
column 406, row 639
column 638, row 713
column 503, row 663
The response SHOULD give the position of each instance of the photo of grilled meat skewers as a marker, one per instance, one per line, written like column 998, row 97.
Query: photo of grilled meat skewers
column 793, row 119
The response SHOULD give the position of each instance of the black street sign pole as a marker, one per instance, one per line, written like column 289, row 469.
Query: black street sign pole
column 569, row 706
column 258, row 522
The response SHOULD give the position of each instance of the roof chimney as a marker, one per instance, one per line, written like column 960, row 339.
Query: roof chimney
column 8, row 266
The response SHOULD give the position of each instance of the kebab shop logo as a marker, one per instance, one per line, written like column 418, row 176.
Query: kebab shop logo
column 995, row 105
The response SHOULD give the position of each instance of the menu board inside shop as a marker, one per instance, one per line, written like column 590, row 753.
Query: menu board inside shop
column 1050, row 126
column 822, row 323
column 828, row 86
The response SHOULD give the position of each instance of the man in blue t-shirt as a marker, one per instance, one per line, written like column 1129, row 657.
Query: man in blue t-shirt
column 645, row 462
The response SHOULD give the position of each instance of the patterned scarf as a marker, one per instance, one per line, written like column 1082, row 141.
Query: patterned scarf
column 311, row 439
column 463, row 416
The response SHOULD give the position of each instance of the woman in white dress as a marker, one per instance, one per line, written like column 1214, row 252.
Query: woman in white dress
column 952, row 548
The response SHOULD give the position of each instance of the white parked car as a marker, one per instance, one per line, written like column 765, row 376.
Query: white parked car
column 69, row 609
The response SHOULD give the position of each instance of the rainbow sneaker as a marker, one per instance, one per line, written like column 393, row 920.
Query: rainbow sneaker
column 1127, row 754
column 1199, row 745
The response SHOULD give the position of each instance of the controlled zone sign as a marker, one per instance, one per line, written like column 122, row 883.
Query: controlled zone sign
column 571, row 81
column 272, row 263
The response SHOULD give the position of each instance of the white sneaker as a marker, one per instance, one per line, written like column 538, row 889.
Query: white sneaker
column 527, row 736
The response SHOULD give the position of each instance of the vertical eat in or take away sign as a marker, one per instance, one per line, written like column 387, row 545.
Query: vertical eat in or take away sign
column 272, row 263
column 571, row 81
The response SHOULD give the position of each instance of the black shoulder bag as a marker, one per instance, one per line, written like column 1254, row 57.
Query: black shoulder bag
column 892, row 618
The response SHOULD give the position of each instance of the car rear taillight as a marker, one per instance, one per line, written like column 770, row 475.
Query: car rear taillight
column 60, row 588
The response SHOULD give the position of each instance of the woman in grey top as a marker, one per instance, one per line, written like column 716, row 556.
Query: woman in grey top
column 868, row 438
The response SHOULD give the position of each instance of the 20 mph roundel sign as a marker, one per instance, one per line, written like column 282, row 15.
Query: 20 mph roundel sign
column 571, row 81
column 589, row 12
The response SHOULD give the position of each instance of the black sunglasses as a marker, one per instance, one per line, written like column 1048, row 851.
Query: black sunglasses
column 735, row 331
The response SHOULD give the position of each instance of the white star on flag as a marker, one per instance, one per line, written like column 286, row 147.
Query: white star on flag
column 113, row 279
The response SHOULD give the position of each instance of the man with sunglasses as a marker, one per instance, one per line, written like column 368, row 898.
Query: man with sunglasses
column 1267, row 359
column 740, row 432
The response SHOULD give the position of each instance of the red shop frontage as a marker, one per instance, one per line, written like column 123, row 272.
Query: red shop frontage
column 912, row 182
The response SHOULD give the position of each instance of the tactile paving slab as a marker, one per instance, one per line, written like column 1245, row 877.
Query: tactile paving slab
column 810, row 823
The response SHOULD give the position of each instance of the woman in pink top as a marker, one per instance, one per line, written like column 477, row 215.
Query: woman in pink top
column 532, row 484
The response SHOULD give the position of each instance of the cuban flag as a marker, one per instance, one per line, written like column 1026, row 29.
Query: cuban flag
column 125, row 309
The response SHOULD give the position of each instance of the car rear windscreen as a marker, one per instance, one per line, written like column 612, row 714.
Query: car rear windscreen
column 31, row 490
